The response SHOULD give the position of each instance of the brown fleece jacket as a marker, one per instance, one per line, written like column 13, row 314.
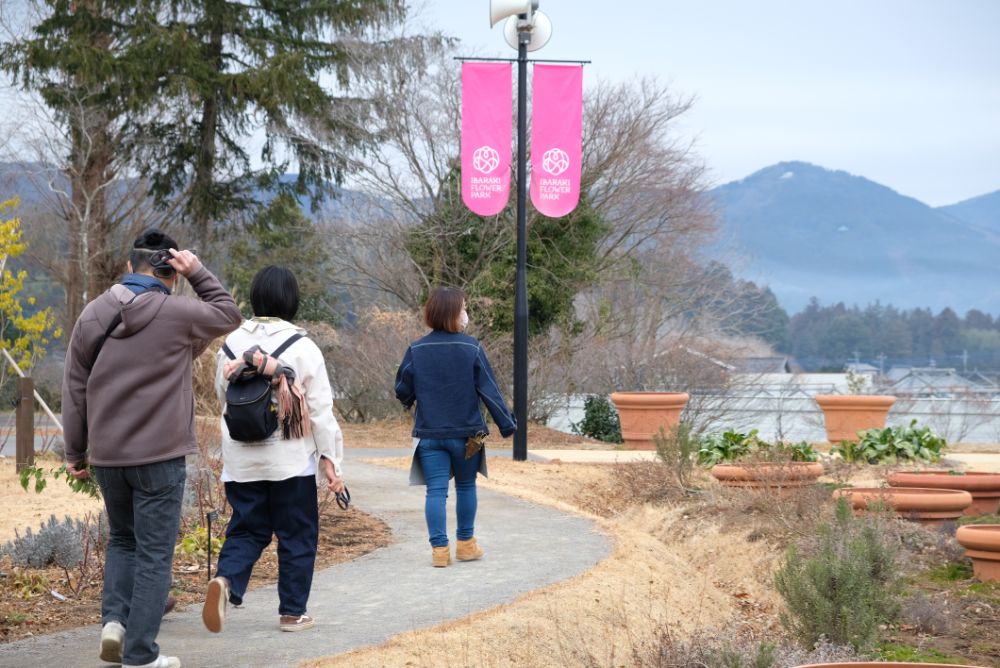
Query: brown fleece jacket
column 136, row 405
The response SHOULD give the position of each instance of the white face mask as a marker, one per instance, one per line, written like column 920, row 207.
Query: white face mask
column 463, row 320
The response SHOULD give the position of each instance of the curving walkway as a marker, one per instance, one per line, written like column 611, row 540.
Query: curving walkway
column 368, row 600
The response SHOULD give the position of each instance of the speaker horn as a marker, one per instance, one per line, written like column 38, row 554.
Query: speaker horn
column 501, row 9
column 541, row 31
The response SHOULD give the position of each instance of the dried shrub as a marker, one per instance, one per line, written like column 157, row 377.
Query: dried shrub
column 96, row 533
column 677, row 451
column 929, row 615
column 204, row 490
column 624, row 486
column 363, row 359
column 794, row 513
column 718, row 648
column 843, row 587
column 926, row 546
column 646, row 482
column 206, row 401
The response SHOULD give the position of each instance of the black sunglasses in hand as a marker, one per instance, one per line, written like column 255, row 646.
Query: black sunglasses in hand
column 344, row 498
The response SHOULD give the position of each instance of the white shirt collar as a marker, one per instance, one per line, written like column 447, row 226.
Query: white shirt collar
column 268, row 326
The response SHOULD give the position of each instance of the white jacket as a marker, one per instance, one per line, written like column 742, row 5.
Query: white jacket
column 276, row 458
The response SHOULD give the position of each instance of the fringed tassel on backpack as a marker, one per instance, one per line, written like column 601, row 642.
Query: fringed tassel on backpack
column 293, row 411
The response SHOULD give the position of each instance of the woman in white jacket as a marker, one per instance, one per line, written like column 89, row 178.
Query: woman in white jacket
column 271, row 484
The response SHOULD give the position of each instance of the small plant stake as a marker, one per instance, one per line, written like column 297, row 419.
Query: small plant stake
column 210, row 517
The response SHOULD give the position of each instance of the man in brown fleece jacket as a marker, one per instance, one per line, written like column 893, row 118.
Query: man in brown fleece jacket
column 128, row 410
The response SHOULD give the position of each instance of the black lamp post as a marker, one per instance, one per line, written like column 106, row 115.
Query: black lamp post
column 523, row 18
column 521, row 275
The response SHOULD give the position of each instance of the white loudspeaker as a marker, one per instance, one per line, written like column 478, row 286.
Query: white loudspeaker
column 501, row 9
column 541, row 31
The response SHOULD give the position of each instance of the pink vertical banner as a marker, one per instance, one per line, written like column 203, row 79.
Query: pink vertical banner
column 486, row 136
column 556, row 138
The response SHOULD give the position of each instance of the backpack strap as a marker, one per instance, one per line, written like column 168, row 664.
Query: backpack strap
column 284, row 346
column 117, row 320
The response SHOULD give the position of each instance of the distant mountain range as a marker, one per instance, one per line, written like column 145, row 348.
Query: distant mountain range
column 809, row 232
column 30, row 181
column 803, row 230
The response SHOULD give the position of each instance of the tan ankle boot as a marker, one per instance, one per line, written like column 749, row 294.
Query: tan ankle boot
column 441, row 556
column 467, row 550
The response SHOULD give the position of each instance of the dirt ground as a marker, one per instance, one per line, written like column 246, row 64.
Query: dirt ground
column 27, row 509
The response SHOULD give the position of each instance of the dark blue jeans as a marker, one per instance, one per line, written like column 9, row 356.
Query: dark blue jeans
column 144, row 515
column 287, row 509
column 440, row 458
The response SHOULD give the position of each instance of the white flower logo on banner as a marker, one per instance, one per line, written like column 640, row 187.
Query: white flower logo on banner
column 555, row 161
column 485, row 159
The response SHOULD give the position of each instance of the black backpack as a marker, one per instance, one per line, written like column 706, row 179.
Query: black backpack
column 250, row 414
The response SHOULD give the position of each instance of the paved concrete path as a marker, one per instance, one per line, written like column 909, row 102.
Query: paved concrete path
column 368, row 600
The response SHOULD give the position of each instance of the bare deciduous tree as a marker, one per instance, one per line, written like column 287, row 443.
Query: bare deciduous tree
column 85, row 208
column 650, row 298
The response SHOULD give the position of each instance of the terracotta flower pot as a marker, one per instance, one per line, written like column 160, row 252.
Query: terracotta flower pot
column 984, row 487
column 768, row 476
column 887, row 664
column 928, row 506
column 982, row 545
column 642, row 414
column 847, row 414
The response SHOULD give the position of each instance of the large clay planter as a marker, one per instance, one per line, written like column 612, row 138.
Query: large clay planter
column 789, row 475
column 982, row 545
column 984, row 487
column 642, row 414
column 928, row 506
column 888, row 664
column 847, row 414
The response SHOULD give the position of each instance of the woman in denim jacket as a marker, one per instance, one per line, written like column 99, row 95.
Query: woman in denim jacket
column 446, row 374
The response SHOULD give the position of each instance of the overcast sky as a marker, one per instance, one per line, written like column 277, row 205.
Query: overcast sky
column 904, row 92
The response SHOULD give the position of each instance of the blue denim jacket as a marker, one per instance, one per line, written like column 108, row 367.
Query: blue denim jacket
column 446, row 375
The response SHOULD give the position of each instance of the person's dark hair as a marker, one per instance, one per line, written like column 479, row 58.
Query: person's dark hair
column 274, row 293
column 443, row 310
column 150, row 240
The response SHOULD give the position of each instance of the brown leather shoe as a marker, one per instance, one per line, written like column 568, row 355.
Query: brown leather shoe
column 468, row 550
column 441, row 556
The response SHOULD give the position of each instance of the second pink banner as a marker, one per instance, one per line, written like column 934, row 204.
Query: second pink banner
column 556, row 138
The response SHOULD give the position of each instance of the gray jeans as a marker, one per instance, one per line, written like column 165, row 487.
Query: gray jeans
column 144, row 514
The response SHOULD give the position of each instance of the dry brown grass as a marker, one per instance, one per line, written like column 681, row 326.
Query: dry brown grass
column 395, row 433
column 669, row 569
column 206, row 402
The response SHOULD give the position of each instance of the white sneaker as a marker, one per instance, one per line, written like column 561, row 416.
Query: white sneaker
column 112, row 637
column 161, row 662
